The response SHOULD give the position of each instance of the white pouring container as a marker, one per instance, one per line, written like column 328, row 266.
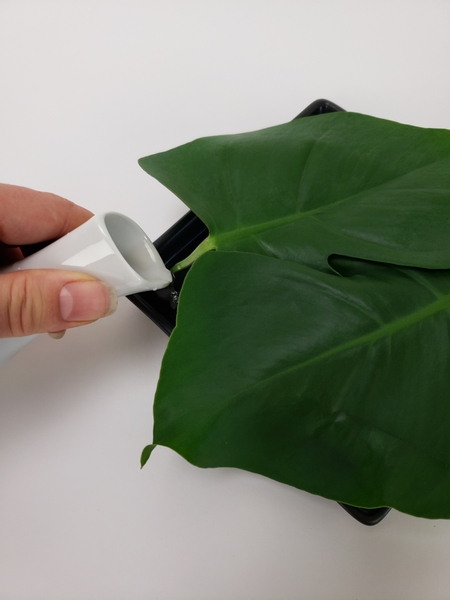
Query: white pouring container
column 109, row 246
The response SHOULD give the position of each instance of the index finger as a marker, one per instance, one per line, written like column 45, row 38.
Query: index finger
column 28, row 216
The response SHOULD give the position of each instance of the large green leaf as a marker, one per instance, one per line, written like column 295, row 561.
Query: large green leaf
column 336, row 385
column 313, row 346
column 342, row 183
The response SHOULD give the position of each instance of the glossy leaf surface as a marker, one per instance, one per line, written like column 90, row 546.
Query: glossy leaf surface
column 310, row 347
column 342, row 183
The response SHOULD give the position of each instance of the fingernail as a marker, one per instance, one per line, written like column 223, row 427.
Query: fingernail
column 87, row 301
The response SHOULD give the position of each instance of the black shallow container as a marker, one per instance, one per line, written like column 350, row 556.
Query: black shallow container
column 177, row 243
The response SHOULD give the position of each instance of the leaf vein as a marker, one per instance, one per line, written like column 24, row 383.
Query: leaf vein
column 242, row 232
column 387, row 330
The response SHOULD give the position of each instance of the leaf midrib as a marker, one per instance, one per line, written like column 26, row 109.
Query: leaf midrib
column 242, row 232
column 387, row 330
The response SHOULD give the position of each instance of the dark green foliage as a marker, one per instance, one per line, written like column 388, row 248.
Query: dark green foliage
column 313, row 344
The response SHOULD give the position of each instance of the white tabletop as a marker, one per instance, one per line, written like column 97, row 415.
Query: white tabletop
column 86, row 88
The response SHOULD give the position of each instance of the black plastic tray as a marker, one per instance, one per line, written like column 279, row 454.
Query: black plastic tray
column 177, row 243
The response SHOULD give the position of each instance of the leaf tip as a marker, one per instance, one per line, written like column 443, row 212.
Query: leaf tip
column 146, row 452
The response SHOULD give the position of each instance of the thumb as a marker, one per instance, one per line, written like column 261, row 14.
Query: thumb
column 44, row 300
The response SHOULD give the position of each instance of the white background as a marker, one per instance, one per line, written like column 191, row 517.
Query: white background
column 86, row 88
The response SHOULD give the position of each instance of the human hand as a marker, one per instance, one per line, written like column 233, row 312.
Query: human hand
column 44, row 300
